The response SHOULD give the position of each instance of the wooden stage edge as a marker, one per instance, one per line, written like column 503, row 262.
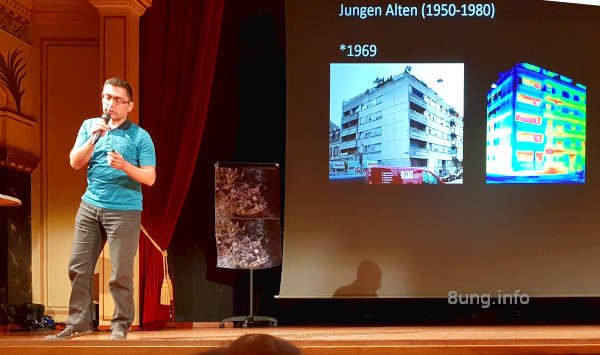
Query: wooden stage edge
column 525, row 339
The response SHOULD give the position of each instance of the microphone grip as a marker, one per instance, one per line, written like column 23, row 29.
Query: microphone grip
column 97, row 135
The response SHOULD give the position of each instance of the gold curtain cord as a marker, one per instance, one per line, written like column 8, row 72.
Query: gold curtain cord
column 166, row 290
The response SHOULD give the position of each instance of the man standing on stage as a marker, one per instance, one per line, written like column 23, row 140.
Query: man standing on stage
column 120, row 157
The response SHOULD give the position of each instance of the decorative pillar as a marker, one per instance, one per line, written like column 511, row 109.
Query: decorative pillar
column 120, row 41
column 119, row 56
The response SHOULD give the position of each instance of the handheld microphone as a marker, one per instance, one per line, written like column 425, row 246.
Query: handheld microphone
column 106, row 118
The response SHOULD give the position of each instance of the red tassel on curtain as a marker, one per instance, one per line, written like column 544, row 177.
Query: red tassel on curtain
column 179, row 43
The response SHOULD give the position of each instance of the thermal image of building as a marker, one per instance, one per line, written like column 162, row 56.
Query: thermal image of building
column 536, row 127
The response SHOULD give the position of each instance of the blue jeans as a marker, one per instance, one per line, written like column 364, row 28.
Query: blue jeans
column 93, row 227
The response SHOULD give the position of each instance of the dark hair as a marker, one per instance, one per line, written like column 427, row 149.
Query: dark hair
column 257, row 344
column 263, row 344
column 114, row 81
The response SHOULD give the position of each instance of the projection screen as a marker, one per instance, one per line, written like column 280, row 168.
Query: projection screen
column 438, row 147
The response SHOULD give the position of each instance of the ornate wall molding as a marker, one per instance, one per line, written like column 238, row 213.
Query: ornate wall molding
column 61, row 11
column 136, row 6
column 15, row 19
column 19, row 117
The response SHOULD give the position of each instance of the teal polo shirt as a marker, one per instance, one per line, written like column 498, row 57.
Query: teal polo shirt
column 108, row 187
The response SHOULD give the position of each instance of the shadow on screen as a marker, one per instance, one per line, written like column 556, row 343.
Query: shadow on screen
column 366, row 284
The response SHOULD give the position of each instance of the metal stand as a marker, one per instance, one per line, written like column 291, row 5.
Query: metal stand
column 250, row 320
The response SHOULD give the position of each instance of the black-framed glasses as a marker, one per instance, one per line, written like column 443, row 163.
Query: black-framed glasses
column 115, row 99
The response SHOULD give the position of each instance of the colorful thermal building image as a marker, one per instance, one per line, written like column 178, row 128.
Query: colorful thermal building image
column 536, row 124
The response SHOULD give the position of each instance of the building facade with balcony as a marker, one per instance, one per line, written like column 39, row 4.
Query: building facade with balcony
column 334, row 144
column 401, row 122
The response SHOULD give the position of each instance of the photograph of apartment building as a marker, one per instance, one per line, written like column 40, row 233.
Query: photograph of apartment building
column 399, row 116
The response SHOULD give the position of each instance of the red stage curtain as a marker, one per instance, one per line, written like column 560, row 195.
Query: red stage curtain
column 179, row 42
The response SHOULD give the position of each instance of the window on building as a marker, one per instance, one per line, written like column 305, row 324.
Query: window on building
column 373, row 148
column 417, row 108
column 350, row 137
column 549, row 88
column 417, row 143
column 418, row 162
column 416, row 92
column 371, row 133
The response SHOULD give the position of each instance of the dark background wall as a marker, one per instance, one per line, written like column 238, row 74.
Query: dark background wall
column 246, row 123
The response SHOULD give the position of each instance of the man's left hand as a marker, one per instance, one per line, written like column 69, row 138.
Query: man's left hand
column 116, row 160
